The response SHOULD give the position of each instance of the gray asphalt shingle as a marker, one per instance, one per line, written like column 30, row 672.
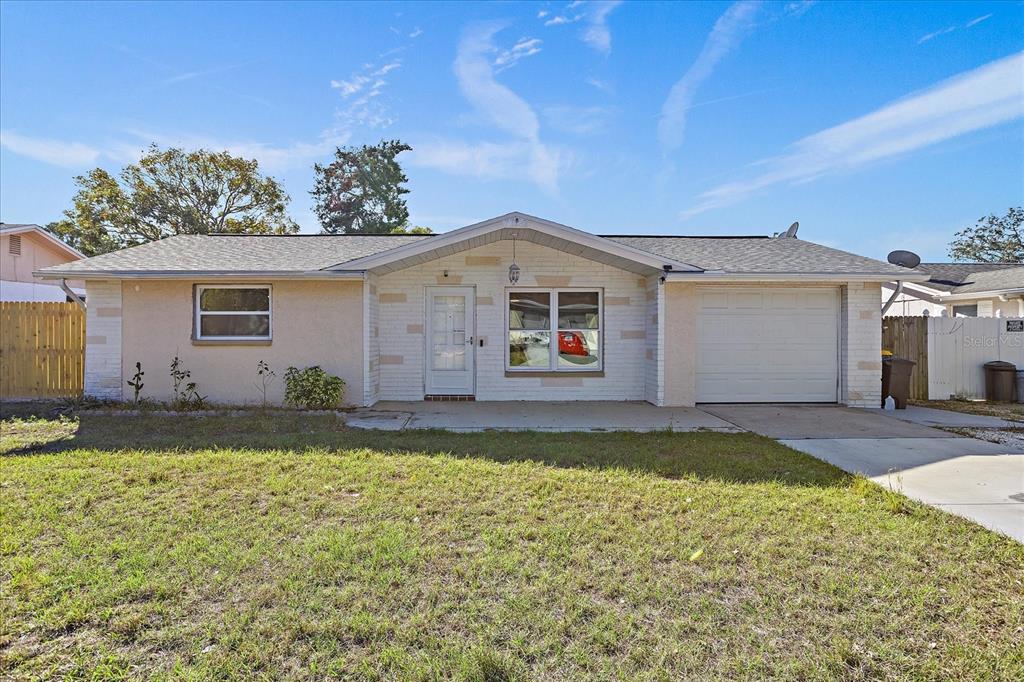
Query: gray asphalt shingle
column 306, row 253
column 241, row 253
column 969, row 277
column 759, row 255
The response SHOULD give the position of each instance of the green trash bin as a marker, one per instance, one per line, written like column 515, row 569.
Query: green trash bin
column 999, row 381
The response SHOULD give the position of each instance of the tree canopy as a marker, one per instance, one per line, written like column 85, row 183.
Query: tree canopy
column 172, row 192
column 994, row 239
column 361, row 191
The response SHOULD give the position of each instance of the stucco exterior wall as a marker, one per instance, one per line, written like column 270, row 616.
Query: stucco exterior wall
column 36, row 253
column 314, row 323
column 680, row 343
column 401, row 323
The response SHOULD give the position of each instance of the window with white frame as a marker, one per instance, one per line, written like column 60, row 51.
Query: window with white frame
column 554, row 330
column 233, row 312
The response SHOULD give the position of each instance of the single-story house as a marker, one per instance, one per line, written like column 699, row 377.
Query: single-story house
column 961, row 290
column 24, row 249
column 512, row 308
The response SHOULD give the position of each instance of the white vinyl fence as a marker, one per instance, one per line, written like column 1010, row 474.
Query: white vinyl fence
column 958, row 347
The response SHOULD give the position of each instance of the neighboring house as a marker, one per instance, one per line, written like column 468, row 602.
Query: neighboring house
column 961, row 290
column 24, row 249
column 668, row 320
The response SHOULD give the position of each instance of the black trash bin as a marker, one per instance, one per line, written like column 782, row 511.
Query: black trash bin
column 896, row 380
column 999, row 380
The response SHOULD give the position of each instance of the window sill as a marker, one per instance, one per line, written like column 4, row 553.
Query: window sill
column 231, row 342
column 547, row 373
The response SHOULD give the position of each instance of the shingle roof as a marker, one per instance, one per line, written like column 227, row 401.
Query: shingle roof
column 968, row 277
column 759, row 255
column 307, row 253
column 4, row 227
column 240, row 253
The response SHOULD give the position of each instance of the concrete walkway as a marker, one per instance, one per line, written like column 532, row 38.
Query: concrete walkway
column 976, row 479
column 535, row 416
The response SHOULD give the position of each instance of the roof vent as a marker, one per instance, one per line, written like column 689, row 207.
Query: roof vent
column 904, row 259
column 14, row 246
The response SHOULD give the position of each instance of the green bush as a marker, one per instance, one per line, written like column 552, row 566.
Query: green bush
column 312, row 388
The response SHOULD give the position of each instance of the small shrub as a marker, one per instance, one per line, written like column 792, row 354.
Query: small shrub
column 136, row 381
column 186, row 395
column 264, row 377
column 312, row 388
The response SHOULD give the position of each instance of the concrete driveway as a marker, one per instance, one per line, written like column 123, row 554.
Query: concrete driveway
column 976, row 479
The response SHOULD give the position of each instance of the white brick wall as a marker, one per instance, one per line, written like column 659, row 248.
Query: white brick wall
column 654, row 359
column 103, row 340
column 860, row 365
column 401, row 304
column 371, row 341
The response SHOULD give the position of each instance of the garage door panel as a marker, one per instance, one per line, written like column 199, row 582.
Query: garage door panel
column 767, row 345
column 746, row 301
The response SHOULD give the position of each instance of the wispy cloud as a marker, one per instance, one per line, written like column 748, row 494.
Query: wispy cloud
column 366, row 110
column 272, row 157
column 602, row 85
column 578, row 120
column 596, row 33
column 799, row 7
column 595, row 14
column 416, row 32
column 561, row 19
column 504, row 109
column 975, row 100
column 730, row 29
column 54, row 152
column 191, row 75
column 370, row 74
column 489, row 160
column 950, row 29
column 525, row 47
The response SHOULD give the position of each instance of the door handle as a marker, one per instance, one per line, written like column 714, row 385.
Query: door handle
column 470, row 341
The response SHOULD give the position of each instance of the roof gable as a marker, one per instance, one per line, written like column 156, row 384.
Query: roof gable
column 43, row 235
column 525, row 227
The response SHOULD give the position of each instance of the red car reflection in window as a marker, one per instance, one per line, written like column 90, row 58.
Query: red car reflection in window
column 572, row 343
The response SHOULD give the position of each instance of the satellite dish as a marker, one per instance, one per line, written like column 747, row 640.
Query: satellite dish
column 791, row 232
column 904, row 259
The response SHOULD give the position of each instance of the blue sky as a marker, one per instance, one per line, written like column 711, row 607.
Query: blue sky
column 876, row 125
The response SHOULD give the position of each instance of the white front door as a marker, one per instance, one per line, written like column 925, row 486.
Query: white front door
column 450, row 336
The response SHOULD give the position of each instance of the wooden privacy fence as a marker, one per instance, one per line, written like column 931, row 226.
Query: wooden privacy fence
column 950, row 352
column 907, row 337
column 42, row 350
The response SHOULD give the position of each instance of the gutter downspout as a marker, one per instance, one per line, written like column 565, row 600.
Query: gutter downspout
column 71, row 293
column 892, row 299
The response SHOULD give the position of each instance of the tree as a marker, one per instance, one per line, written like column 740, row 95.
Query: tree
column 360, row 192
column 172, row 192
column 415, row 229
column 994, row 239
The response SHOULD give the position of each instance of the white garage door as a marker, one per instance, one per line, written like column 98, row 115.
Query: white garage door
column 767, row 345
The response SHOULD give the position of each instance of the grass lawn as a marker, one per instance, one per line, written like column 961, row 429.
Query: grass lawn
column 1012, row 411
column 288, row 547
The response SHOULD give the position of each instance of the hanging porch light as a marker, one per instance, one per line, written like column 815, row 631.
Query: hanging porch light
column 513, row 270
